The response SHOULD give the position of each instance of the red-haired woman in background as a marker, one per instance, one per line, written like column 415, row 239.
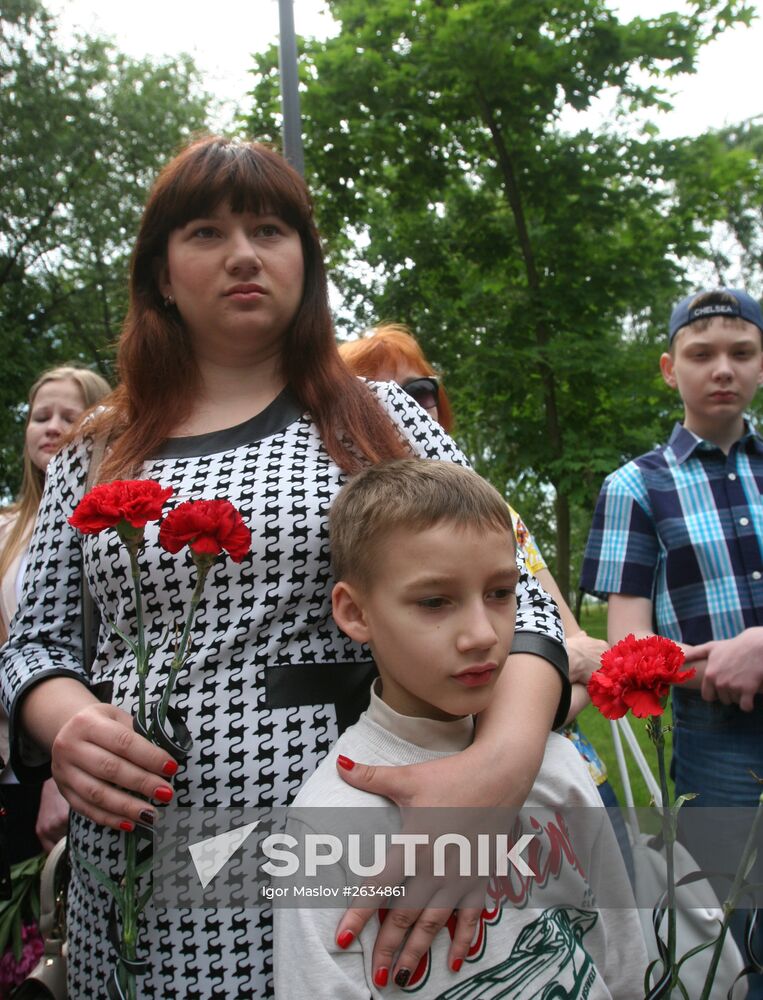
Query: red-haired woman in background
column 232, row 386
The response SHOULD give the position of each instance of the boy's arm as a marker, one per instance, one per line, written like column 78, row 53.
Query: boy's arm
column 733, row 670
column 627, row 614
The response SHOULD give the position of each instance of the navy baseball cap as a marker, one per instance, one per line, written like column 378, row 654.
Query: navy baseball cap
column 744, row 306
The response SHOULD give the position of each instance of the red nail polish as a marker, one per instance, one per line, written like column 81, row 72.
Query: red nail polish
column 381, row 976
column 345, row 939
column 163, row 793
column 170, row 768
column 457, row 963
column 345, row 762
column 127, row 826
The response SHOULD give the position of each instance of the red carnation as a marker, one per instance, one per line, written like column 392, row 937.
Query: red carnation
column 636, row 674
column 124, row 502
column 207, row 527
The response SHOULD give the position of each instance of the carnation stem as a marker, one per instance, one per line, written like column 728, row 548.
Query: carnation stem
column 655, row 731
column 141, row 657
column 181, row 650
column 732, row 899
column 129, row 917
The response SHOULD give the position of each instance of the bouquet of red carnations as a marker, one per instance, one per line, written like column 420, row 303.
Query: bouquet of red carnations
column 208, row 528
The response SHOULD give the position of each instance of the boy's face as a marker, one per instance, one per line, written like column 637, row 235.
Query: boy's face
column 439, row 617
column 717, row 371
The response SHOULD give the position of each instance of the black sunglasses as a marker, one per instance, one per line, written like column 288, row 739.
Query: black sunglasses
column 425, row 390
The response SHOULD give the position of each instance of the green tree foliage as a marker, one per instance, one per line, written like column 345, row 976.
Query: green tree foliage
column 719, row 181
column 536, row 264
column 85, row 129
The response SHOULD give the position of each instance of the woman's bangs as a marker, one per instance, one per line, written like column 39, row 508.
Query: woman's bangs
column 248, row 178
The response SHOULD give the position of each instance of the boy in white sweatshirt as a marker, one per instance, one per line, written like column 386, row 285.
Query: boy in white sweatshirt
column 424, row 555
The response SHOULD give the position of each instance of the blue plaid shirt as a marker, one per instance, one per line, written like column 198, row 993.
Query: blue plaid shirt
column 683, row 526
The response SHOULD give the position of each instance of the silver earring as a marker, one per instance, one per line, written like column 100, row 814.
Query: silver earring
column 169, row 300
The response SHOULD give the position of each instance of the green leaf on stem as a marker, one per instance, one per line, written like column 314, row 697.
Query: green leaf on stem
column 24, row 904
column 131, row 645
column 18, row 944
column 145, row 866
column 108, row 884
column 752, row 859
column 697, row 949
column 144, row 899
column 686, row 797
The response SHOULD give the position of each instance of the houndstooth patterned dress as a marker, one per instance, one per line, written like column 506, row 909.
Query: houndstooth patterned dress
column 262, row 634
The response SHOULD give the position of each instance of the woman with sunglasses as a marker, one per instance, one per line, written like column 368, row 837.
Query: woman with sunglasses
column 389, row 352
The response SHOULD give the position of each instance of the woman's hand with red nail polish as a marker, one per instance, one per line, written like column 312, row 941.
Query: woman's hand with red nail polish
column 412, row 924
column 104, row 769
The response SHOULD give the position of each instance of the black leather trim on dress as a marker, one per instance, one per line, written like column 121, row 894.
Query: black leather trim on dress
column 276, row 416
column 347, row 686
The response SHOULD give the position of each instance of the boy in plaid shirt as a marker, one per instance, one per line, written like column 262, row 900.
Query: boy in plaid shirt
column 676, row 547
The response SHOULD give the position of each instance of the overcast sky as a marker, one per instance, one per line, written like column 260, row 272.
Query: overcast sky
column 221, row 38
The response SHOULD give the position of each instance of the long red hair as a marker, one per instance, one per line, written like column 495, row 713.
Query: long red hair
column 159, row 378
column 389, row 346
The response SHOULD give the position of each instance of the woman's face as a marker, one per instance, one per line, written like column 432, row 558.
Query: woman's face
column 402, row 374
column 55, row 408
column 236, row 280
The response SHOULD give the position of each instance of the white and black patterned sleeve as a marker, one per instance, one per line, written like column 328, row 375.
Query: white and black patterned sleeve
column 539, row 628
column 45, row 638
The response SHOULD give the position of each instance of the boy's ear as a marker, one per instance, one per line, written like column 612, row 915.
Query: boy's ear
column 347, row 608
column 667, row 369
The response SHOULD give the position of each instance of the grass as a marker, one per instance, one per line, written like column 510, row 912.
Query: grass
column 593, row 618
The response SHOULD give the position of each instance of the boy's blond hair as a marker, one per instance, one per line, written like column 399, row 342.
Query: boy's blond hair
column 412, row 494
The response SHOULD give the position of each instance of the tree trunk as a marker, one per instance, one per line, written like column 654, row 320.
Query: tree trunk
column 562, row 510
column 542, row 338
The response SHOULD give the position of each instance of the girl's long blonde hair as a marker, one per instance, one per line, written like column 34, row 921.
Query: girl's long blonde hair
column 92, row 387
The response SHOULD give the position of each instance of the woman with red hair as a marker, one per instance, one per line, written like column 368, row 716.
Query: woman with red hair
column 390, row 353
column 231, row 385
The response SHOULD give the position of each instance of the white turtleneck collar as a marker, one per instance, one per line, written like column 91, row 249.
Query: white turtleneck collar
column 429, row 734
